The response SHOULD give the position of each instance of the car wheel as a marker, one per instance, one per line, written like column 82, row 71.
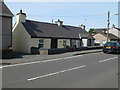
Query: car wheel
column 104, row 52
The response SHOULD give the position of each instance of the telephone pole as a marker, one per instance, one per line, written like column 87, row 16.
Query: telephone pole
column 108, row 25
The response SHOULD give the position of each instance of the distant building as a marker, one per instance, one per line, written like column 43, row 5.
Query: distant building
column 6, row 24
column 99, row 30
column 115, row 31
column 101, row 38
column 28, row 34
column 100, row 35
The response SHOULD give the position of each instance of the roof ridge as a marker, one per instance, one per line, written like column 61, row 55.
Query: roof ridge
column 105, row 34
column 53, row 23
column 40, row 22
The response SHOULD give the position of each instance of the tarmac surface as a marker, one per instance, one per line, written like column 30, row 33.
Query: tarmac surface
column 91, row 70
column 37, row 57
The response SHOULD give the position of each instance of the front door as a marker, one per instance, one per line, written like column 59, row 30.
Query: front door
column 54, row 43
column 89, row 42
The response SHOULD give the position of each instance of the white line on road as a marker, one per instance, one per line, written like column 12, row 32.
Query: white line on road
column 40, row 61
column 108, row 59
column 55, row 73
column 0, row 67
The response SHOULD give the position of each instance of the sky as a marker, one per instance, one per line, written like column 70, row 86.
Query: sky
column 92, row 14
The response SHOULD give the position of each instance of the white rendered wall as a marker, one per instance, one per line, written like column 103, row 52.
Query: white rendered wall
column 60, row 43
column 21, row 39
column 84, row 42
column 35, row 41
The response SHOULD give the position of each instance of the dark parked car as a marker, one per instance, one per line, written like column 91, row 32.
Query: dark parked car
column 111, row 47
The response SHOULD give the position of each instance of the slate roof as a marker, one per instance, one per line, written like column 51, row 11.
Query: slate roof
column 99, row 30
column 110, row 36
column 50, row 30
column 117, row 28
column 102, row 29
column 4, row 10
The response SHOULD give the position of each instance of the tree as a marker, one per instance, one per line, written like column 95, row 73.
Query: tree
column 90, row 31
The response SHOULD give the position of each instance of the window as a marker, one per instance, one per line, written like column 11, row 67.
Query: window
column 104, row 41
column 64, row 43
column 96, row 41
column 41, row 44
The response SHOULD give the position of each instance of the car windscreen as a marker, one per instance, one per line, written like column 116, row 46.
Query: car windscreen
column 110, row 44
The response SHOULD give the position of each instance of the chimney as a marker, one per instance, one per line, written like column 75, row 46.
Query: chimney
column 82, row 26
column 21, row 17
column 113, row 26
column 59, row 23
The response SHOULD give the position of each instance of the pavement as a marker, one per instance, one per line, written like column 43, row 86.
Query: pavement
column 33, row 58
column 93, row 70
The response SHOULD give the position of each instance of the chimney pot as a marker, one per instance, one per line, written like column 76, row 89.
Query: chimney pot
column 21, row 11
column 82, row 26
column 60, row 23
column 21, row 17
column 113, row 26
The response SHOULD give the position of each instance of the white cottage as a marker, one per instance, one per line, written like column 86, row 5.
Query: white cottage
column 115, row 31
column 28, row 34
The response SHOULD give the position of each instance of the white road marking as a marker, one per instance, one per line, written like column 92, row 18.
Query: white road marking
column 72, row 57
column 40, row 61
column 55, row 73
column 0, row 67
column 108, row 59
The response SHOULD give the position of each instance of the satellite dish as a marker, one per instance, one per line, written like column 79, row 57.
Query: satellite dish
column 80, row 36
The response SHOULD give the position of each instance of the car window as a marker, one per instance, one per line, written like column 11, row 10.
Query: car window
column 110, row 44
column 114, row 44
column 118, row 44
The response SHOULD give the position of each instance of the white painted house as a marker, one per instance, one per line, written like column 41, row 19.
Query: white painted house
column 115, row 31
column 28, row 34
column 100, row 35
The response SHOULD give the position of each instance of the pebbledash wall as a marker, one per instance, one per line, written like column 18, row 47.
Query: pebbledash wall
column 119, row 14
column 6, row 31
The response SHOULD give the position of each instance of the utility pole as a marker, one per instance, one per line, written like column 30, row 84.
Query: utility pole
column 52, row 20
column 108, row 25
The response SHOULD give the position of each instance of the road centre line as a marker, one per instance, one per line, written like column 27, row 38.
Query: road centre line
column 71, row 69
column 108, row 59
column 40, row 61
column 55, row 73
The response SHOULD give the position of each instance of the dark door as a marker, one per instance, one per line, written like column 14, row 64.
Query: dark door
column 89, row 42
column 54, row 43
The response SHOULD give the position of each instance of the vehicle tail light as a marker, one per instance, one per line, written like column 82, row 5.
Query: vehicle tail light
column 114, row 47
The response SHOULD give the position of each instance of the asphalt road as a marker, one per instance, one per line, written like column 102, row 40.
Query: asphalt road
column 96, row 70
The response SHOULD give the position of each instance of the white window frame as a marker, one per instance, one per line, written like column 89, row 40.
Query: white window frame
column 65, row 43
column 41, row 43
